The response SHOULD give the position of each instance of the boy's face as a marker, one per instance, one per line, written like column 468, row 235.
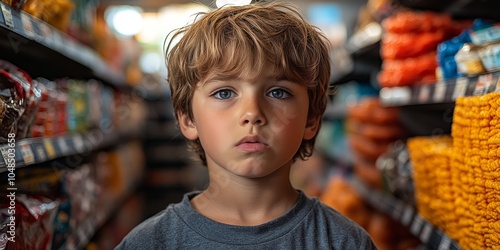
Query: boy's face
column 249, row 127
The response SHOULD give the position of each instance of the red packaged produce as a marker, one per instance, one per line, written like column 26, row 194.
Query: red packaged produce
column 31, row 221
column 400, row 46
column 37, row 131
column 413, row 21
column 406, row 72
column 12, row 103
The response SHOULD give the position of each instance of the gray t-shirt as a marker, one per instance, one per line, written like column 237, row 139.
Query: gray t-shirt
column 309, row 224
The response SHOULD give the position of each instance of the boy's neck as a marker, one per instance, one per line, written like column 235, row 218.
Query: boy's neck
column 246, row 202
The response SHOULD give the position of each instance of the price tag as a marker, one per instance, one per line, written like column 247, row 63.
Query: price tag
column 423, row 95
column 74, row 50
column 63, row 146
column 416, row 225
column 398, row 210
column 5, row 153
column 45, row 33
column 26, row 153
column 28, row 26
column 483, row 84
column 445, row 243
column 426, row 233
column 7, row 16
column 40, row 153
column 49, row 148
column 78, row 142
column 497, row 88
column 439, row 92
column 58, row 41
column 460, row 87
column 407, row 216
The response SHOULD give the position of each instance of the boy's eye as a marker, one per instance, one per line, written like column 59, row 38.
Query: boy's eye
column 279, row 94
column 223, row 94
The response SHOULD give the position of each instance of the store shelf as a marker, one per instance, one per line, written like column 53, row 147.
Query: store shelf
column 359, row 60
column 31, row 151
column 457, row 8
column 430, row 236
column 82, row 235
column 42, row 50
column 442, row 92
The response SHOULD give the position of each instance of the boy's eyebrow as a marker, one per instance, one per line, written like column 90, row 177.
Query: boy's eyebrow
column 214, row 78
column 219, row 78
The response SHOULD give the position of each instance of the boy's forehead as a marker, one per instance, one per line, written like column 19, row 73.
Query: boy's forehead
column 267, row 73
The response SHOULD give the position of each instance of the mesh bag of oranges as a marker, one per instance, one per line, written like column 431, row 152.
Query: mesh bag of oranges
column 457, row 179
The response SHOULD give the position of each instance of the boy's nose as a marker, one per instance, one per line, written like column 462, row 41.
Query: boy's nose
column 252, row 112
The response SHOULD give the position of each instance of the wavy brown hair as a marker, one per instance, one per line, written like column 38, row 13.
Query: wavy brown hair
column 236, row 39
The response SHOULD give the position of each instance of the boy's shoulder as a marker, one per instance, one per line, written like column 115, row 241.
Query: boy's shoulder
column 334, row 221
column 156, row 230
column 180, row 225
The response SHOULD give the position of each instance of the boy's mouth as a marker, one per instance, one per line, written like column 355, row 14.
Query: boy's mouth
column 251, row 143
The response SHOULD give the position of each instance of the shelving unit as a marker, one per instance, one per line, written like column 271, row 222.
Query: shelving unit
column 84, row 232
column 457, row 8
column 44, row 51
column 441, row 92
column 51, row 53
column 360, row 59
column 430, row 236
column 31, row 151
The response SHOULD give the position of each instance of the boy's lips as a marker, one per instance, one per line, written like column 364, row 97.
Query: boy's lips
column 251, row 143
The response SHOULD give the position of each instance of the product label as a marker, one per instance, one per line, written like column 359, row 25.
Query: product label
column 40, row 153
column 27, row 153
column 460, row 87
column 7, row 15
column 6, row 150
column 439, row 92
column 423, row 95
column 482, row 85
column 63, row 146
column 27, row 25
column 426, row 232
column 407, row 216
column 416, row 225
column 445, row 243
column 49, row 148
column 78, row 143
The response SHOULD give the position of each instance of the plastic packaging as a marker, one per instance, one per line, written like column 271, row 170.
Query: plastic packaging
column 490, row 56
column 468, row 60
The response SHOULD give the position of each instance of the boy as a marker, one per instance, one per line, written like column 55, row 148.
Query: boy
column 249, row 87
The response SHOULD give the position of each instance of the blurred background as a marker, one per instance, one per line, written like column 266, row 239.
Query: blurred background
column 90, row 147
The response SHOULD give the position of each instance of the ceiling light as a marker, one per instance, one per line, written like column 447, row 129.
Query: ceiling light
column 222, row 3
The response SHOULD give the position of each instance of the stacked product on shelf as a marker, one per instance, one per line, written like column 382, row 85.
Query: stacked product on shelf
column 68, row 102
column 432, row 176
column 371, row 129
column 451, row 182
column 409, row 45
column 385, row 232
column 41, row 108
column 465, row 171
column 58, row 208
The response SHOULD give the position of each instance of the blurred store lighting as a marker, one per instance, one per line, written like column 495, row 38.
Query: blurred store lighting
column 125, row 20
column 328, row 17
column 151, row 62
column 222, row 3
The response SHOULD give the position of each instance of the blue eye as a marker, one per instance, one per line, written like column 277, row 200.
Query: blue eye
column 279, row 94
column 223, row 94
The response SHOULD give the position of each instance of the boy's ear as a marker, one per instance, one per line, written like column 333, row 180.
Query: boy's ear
column 312, row 127
column 188, row 128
